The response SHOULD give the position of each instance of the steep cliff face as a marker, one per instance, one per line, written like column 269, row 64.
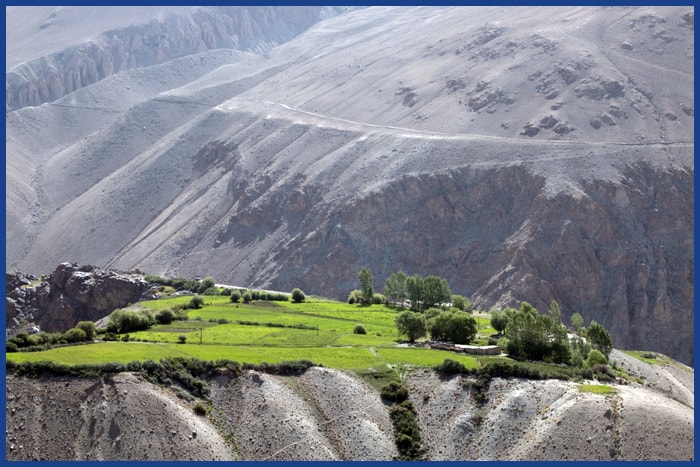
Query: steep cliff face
column 69, row 295
column 617, row 253
column 150, row 42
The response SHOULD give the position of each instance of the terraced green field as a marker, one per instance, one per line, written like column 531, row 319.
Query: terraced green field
column 317, row 330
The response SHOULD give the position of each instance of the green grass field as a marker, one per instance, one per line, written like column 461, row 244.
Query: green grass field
column 601, row 389
column 216, row 331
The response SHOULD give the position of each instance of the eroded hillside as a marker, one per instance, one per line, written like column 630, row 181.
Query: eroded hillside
column 329, row 415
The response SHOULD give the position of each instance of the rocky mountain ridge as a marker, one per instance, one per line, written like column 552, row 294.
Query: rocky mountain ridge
column 331, row 415
column 158, row 36
column 523, row 154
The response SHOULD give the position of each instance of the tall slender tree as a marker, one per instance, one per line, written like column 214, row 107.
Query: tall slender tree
column 366, row 285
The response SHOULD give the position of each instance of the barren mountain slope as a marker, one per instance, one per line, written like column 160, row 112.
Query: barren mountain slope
column 521, row 154
column 329, row 415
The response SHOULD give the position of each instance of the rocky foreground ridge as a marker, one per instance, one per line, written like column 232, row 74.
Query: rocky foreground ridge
column 327, row 414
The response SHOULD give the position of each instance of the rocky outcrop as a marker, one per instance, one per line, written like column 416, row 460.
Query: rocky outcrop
column 254, row 29
column 69, row 295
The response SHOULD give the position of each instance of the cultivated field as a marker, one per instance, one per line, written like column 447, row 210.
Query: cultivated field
column 317, row 330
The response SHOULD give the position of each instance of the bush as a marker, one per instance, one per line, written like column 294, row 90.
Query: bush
column 451, row 367
column 110, row 336
column 121, row 321
column 211, row 291
column 165, row 317
column 359, row 329
column 298, row 295
column 595, row 357
column 235, row 296
column 11, row 347
column 89, row 328
column 75, row 335
column 394, row 392
column 200, row 409
column 378, row 299
column 408, row 440
column 182, row 338
column 196, row 303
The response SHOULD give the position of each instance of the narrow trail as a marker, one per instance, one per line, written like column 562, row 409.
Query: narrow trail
column 411, row 132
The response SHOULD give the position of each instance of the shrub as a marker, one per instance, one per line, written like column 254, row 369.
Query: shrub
column 359, row 329
column 89, row 328
column 408, row 440
column 355, row 296
column 451, row 367
column 235, row 296
column 127, row 321
column 211, row 291
column 394, row 392
column 298, row 295
column 196, row 302
column 206, row 284
column 595, row 357
column 247, row 297
column 182, row 338
column 11, row 347
column 110, row 336
column 378, row 299
column 75, row 335
column 165, row 317
column 200, row 409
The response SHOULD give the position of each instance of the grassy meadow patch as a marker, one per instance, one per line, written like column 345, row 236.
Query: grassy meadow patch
column 601, row 389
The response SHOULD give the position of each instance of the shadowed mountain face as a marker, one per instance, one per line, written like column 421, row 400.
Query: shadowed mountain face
column 529, row 154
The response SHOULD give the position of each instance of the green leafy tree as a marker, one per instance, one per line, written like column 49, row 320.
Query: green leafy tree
column 121, row 321
column 298, row 295
column 435, row 291
column 414, row 289
column 165, row 317
column 196, row 302
column 395, row 287
column 366, row 285
column 499, row 321
column 74, row 335
column 411, row 324
column 595, row 357
column 235, row 296
column 577, row 321
column 459, row 302
column 455, row 327
column 599, row 338
column 554, row 311
column 89, row 328
column 205, row 284
column 532, row 336
column 579, row 351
